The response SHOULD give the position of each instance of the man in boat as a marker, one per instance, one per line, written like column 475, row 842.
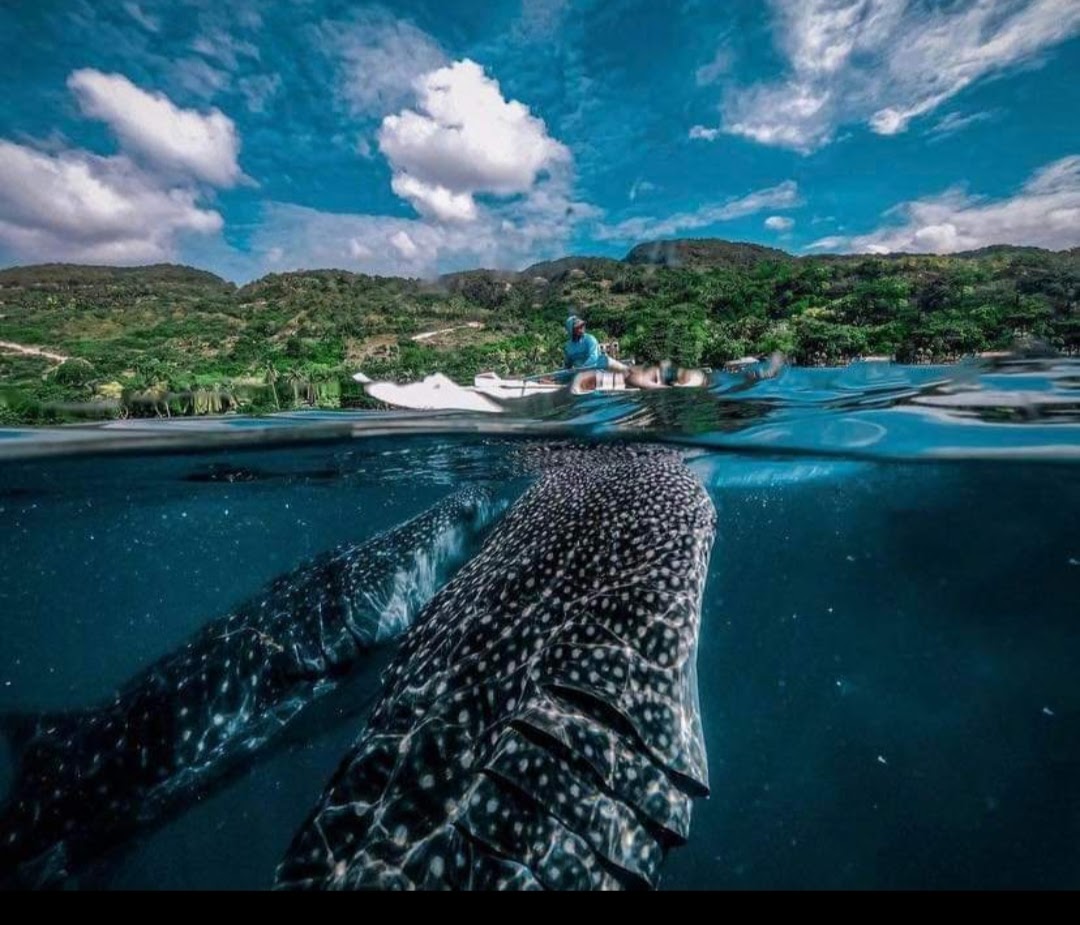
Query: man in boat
column 583, row 356
column 582, row 351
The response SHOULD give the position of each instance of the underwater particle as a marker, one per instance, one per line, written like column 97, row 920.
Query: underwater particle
column 881, row 760
column 1074, row 561
column 850, row 558
column 1047, row 711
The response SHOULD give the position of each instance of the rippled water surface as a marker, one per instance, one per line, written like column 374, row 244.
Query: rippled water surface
column 890, row 637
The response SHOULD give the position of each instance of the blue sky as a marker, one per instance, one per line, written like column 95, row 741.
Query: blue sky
column 420, row 137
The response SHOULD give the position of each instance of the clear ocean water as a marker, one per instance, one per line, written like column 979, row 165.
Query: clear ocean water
column 889, row 658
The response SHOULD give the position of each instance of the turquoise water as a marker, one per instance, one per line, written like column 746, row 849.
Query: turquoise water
column 889, row 643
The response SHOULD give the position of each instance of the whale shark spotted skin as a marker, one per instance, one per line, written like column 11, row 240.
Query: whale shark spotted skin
column 539, row 724
column 87, row 780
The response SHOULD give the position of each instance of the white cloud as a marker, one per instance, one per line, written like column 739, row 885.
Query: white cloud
column 639, row 187
column 363, row 148
column 794, row 116
column 464, row 140
column 954, row 122
column 259, row 89
column 779, row 223
column 1044, row 213
column 78, row 206
column 144, row 19
column 196, row 77
column 138, row 206
column 151, row 126
column 784, row 195
column 358, row 250
column 719, row 66
column 433, row 201
column 701, row 133
column 540, row 19
column 508, row 238
column 831, row 243
column 224, row 48
column 1061, row 176
column 248, row 16
column 381, row 58
column 886, row 62
column 490, row 186
column 507, row 235
column 404, row 245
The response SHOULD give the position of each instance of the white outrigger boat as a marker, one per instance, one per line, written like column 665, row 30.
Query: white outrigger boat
column 489, row 391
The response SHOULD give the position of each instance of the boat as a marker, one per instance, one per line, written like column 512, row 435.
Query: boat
column 432, row 393
column 494, row 385
column 489, row 392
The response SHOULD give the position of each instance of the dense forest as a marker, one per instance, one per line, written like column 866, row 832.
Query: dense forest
column 174, row 340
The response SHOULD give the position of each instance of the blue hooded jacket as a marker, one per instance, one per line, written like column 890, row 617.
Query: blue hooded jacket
column 584, row 353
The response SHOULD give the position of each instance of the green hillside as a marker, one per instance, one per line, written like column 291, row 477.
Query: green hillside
column 135, row 336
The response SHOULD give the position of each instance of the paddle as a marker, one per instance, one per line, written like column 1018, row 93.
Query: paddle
column 554, row 372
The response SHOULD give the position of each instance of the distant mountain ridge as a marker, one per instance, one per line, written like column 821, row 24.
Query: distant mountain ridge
column 74, row 274
column 704, row 252
column 683, row 253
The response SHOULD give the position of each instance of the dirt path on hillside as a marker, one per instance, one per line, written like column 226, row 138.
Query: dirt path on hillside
column 475, row 325
column 32, row 351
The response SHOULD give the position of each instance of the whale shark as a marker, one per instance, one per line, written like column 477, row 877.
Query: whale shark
column 538, row 726
column 86, row 781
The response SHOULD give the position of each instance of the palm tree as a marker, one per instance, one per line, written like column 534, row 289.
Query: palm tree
column 270, row 377
column 296, row 379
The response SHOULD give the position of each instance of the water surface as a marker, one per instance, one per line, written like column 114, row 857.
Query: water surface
column 890, row 637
